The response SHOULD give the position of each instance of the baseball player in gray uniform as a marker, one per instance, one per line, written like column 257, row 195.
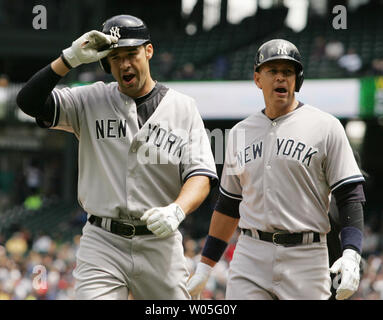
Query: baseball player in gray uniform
column 145, row 162
column 281, row 166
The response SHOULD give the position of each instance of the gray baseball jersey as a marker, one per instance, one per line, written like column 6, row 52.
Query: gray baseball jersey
column 282, row 171
column 132, row 169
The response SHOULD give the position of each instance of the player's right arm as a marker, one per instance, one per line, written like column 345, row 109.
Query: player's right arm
column 59, row 67
column 222, row 228
column 223, row 223
column 35, row 98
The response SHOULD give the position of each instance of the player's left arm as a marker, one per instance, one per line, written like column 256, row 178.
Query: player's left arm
column 193, row 193
column 198, row 173
column 350, row 199
column 163, row 221
column 346, row 184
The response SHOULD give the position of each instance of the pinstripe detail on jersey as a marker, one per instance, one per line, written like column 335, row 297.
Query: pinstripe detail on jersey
column 202, row 172
column 230, row 195
column 356, row 178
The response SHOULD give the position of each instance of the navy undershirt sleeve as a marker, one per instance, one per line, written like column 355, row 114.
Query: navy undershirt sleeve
column 227, row 206
column 35, row 97
column 349, row 200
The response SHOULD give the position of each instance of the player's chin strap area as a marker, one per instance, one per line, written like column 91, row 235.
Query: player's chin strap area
column 285, row 238
column 124, row 229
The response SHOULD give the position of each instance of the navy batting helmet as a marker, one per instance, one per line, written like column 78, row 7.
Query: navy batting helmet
column 281, row 49
column 129, row 30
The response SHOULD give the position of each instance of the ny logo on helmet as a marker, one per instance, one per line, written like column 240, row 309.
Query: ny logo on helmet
column 282, row 48
column 115, row 32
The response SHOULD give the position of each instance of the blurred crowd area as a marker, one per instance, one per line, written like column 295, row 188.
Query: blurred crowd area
column 223, row 52
column 26, row 180
column 41, row 268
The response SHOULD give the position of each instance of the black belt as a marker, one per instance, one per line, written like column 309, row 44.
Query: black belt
column 123, row 229
column 282, row 237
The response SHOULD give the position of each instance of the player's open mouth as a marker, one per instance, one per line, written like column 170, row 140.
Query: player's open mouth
column 128, row 78
column 281, row 92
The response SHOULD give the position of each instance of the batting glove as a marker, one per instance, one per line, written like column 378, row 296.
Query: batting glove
column 162, row 221
column 84, row 49
column 348, row 266
column 197, row 282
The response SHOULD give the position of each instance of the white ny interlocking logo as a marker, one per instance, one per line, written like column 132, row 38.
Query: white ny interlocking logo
column 115, row 32
column 282, row 48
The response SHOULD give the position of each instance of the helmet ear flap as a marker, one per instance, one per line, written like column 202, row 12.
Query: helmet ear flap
column 299, row 81
column 105, row 65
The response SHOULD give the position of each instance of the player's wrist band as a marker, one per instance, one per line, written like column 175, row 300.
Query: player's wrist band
column 65, row 61
column 214, row 248
column 351, row 237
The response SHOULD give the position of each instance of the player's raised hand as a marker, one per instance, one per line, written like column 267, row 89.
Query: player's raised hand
column 197, row 282
column 348, row 266
column 162, row 221
column 85, row 49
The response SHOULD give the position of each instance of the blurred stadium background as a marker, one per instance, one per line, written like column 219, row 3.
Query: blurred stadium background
column 198, row 44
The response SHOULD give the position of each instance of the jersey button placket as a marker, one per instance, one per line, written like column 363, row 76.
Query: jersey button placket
column 277, row 263
column 131, row 174
column 271, row 143
column 268, row 193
